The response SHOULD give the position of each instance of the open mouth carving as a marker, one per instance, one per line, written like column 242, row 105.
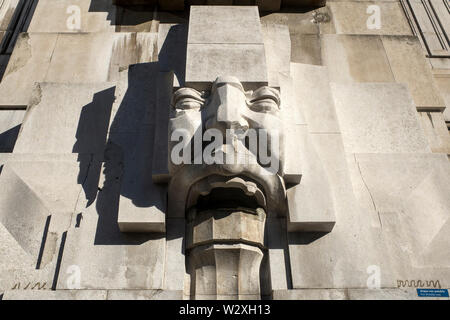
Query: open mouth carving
column 227, row 192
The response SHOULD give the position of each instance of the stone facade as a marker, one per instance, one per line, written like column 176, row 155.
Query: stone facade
column 94, row 206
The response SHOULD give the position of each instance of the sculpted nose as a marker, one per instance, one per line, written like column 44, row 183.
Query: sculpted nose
column 231, row 104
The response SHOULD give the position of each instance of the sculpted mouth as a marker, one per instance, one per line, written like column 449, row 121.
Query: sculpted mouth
column 226, row 192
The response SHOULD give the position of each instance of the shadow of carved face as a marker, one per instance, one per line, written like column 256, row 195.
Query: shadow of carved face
column 225, row 148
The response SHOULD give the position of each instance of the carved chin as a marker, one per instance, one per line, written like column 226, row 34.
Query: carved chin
column 208, row 187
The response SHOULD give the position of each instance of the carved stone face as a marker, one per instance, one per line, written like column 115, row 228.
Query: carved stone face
column 242, row 133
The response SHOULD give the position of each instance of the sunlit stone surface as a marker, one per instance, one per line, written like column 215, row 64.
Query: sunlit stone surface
column 94, row 206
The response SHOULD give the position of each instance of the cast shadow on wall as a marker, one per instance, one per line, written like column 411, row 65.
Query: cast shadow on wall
column 122, row 159
column 135, row 15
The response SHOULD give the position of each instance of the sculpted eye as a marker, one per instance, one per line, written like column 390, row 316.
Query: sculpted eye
column 265, row 99
column 187, row 98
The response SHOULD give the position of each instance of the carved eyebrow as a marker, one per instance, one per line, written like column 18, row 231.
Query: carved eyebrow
column 187, row 93
column 266, row 93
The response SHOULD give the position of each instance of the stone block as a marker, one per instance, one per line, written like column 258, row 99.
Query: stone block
column 211, row 226
column 351, row 17
column 229, row 44
column 224, row 25
column 355, row 58
column 378, row 118
column 414, row 71
column 205, row 62
column 310, row 203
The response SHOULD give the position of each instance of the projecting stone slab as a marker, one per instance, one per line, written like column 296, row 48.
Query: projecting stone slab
column 206, row 62
column 355, row 58
column 352, row 17
column 310, row 203
column 422, row 86
column 378, row 118
column 224, row 24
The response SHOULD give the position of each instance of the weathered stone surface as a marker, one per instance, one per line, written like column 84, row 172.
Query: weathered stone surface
column 310, row 204
column 378, row 118
column 71, row 58
column 355, row 58
column 28, row 64
column 234, row 266
column 413, row 71
column 212, row 226
column 55, row 295
column 246, row 62
column 144, row 295
column 393, row 233
column 24, row 220
column 73, row 16
column 314, row 98
column 436, row 131
column 232, row 51
column 224, row 24
column 349, row 294
column 109, row 259
column 351, row 17
column 83, row 112
column 277, row 44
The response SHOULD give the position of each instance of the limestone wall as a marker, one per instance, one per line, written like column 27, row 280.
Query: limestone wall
column 80, row 105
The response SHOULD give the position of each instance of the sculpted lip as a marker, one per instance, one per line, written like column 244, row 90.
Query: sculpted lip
column 269, row 191
column 248, row 186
